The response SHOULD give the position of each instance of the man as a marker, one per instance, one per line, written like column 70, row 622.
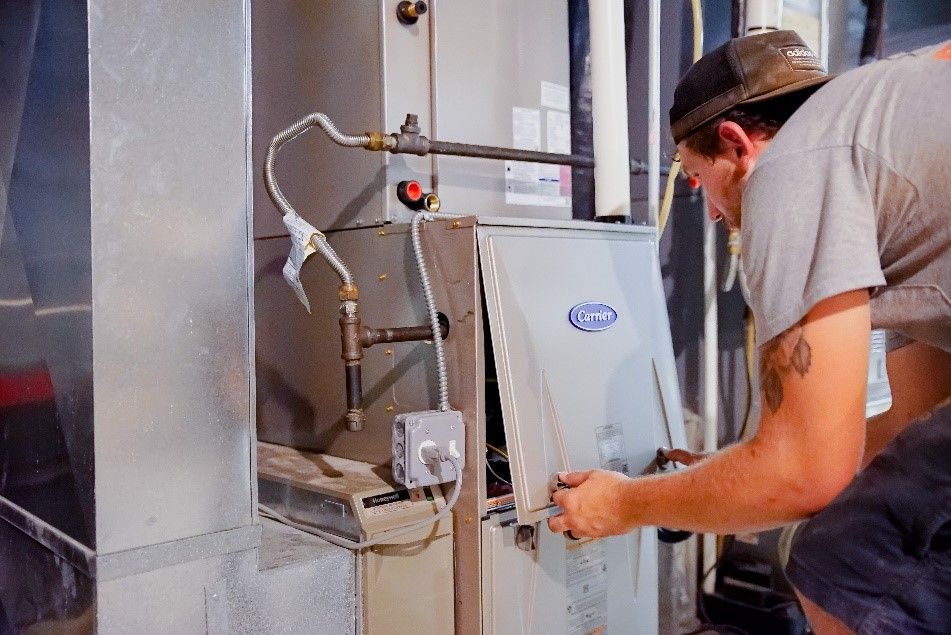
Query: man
column 842, row 191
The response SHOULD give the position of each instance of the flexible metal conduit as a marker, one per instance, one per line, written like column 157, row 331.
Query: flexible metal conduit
column 293, row 131
column 418, row 220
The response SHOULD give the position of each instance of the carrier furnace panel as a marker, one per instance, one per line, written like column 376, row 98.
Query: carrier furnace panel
column 586, row 378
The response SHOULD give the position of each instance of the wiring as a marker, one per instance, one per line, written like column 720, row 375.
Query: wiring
column 501, row 453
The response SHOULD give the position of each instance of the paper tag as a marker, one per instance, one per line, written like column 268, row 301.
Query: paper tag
column 301, row 234
column 558, row 126
column 526, row 129
column 555, row 96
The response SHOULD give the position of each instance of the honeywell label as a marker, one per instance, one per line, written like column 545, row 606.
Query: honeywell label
column 587, row 592
column 389, row 502
column 801, row 58
column 301, row 232
column 611, row 448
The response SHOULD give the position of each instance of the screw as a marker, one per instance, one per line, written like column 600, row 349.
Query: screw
column 382, row 232
column 456, row 224
column 388, row 351
column 383, row 276
column 389, row 408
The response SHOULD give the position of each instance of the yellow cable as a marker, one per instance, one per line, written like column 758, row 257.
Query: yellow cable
column 504, row 455
column 668, row 200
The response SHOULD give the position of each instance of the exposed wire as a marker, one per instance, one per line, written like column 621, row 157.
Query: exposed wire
column 267, row 512
column 749, row 347
column 668, row 200
column 488, row 465
column 501, row 453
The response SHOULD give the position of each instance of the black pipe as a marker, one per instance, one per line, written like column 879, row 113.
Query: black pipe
column 508, row 154
column 354, row 396
column 401, row 334
column 874, row 36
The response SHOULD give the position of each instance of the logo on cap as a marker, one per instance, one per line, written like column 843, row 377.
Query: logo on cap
column 801, row 58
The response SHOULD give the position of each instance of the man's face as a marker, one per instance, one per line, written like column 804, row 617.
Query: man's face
column 721, row 181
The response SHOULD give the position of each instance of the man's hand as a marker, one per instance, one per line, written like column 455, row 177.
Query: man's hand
column 594, row 505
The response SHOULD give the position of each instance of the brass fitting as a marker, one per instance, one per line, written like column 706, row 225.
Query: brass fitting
column 349, row 292
column 376, row 142
column 431, row 203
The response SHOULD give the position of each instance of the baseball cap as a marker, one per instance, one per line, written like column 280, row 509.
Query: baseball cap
column 745, row 70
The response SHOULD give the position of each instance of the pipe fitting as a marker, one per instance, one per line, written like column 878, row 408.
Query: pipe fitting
column 377, row 142
column 409, row 12
column 348, row 293
column 355, row 419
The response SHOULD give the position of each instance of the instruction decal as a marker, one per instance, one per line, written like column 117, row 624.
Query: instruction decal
column 611, row 448
column 586, row 576
column 537, row 184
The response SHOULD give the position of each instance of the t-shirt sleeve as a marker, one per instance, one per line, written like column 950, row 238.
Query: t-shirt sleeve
column 809, row 232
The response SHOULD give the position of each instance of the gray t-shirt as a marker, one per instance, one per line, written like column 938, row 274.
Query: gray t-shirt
column 855, row 191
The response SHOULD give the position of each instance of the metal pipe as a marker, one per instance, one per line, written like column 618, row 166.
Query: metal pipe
column 370, row 336
column 874, row 36
column 612, row 178
column 711, row 375
column 508, row 154
column 354, row 417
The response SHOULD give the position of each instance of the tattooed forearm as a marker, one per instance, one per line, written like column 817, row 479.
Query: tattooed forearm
column 788, row 351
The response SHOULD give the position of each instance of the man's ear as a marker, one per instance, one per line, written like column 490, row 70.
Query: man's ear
column 736, row 145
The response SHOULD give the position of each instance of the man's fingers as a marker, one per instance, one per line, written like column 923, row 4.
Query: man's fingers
column 574, row 479
column 559, row 496
column 683, row 456
column 557, row 524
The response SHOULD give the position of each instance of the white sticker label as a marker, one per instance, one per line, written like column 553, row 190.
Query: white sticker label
column 538, row 184
column 555, row 96
column 611, row 448
column 526, row 129
column 587, row 581
column 558, row 129
column 301, row 234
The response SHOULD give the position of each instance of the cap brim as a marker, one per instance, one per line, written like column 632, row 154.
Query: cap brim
column 805, row 84
column 812, row 82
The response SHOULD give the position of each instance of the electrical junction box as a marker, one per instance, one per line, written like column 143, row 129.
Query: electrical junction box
column 413, row 433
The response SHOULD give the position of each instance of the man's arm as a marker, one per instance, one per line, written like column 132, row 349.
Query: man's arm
column 807, row 449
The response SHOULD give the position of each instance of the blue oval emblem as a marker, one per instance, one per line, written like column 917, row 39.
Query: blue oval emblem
column 592, row 316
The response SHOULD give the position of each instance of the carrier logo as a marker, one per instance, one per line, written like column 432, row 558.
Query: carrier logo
column 592, row 316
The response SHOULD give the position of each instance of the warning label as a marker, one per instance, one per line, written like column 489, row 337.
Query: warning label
column 611, row 448
column 587, row 580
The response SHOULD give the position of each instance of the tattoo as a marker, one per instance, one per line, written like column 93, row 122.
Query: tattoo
column 788, row 351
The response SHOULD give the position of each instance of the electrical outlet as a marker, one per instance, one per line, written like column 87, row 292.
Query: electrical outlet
column 413, row 432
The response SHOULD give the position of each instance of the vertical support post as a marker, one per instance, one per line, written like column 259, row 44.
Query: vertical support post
column 653, row 113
